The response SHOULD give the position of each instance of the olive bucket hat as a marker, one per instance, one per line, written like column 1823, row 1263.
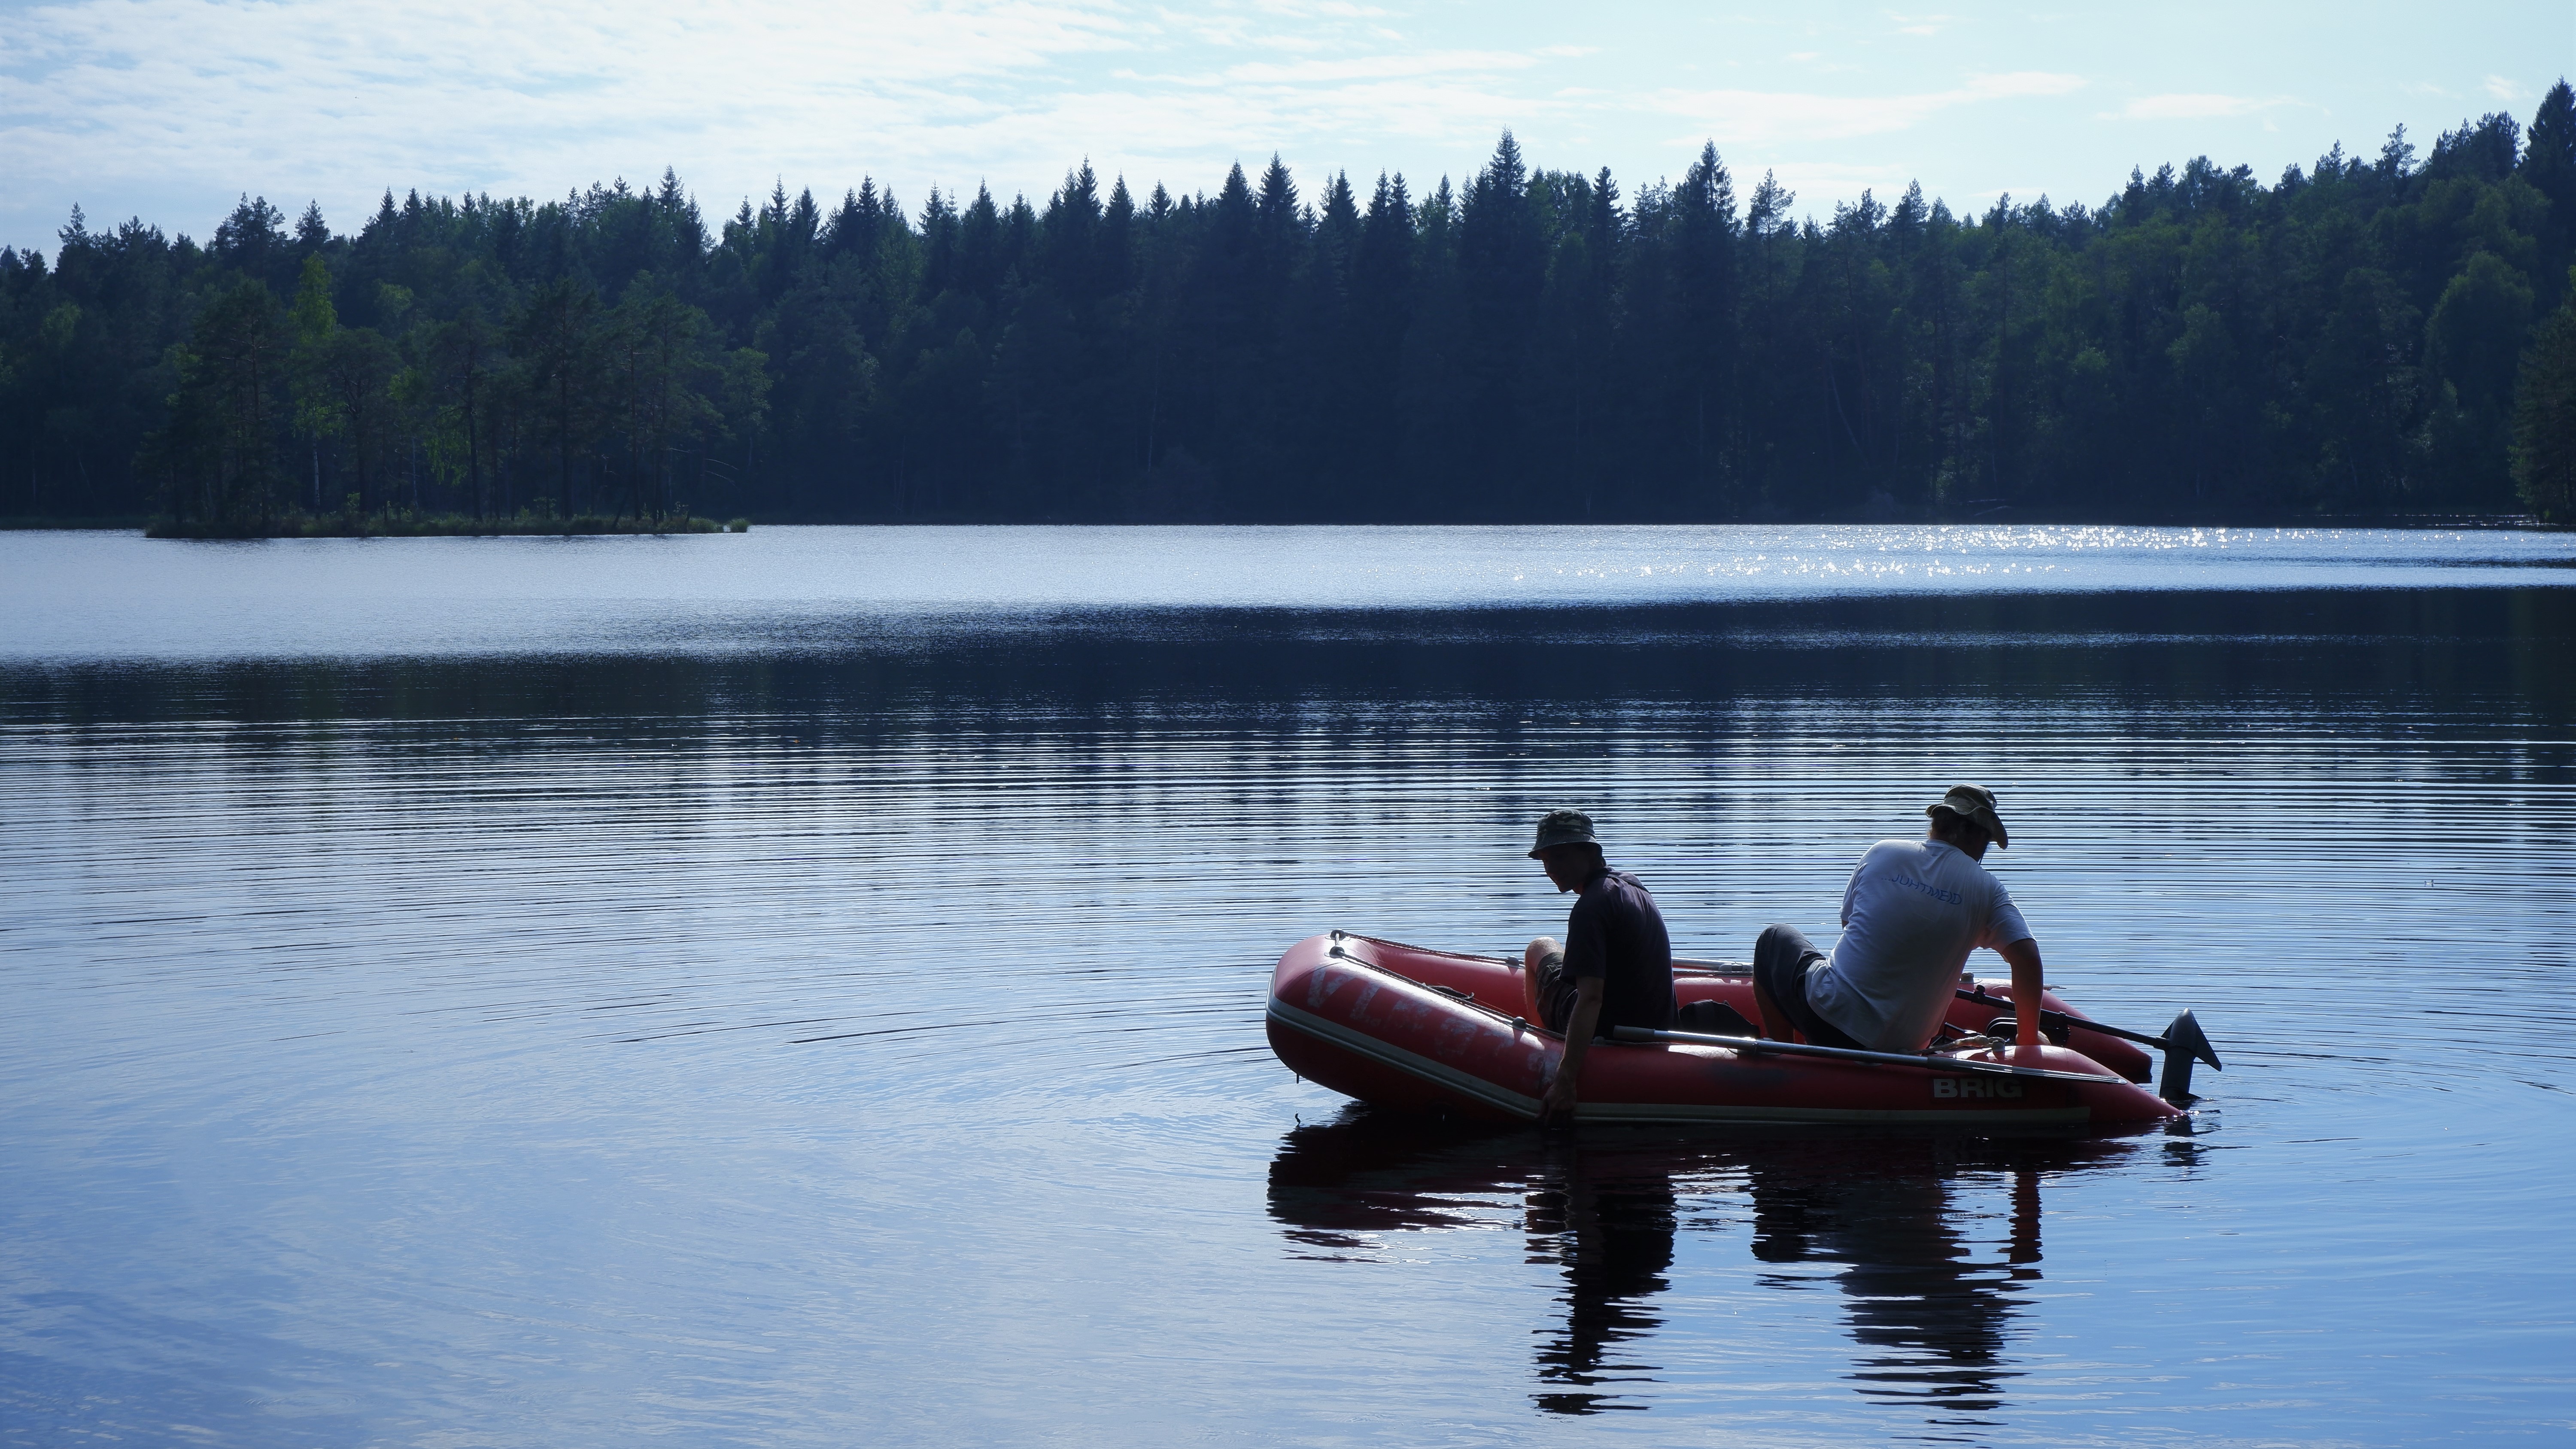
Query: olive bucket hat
column 1973, row 802
column 1563, row 827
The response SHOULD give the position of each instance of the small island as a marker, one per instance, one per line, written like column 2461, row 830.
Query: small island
column 406, row 523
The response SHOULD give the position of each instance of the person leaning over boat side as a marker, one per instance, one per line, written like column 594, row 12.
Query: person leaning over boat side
column 1616, row 966
column 1913, row 911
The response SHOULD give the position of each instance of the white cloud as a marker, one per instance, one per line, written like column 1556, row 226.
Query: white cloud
column 113, row 102
column 1818, row 183
column 1371, row 67
column 1757, row 116
column 2189, row 107
column 339, row 99
column 1331, row 9
column 168, row 107
column 2022, row 83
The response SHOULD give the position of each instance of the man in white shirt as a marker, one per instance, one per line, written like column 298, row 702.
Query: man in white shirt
column 1912, row 913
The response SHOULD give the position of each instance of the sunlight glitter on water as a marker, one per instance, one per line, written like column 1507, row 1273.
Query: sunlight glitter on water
column 82, row 596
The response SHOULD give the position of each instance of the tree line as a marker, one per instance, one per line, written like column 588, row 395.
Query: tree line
column 2370, row 335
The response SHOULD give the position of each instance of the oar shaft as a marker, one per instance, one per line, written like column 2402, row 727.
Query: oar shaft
column 2062, row 1021
column 1765, row 1046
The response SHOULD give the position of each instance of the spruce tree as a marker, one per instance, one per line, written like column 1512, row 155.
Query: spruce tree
column 2549, row 164
column 312, row 234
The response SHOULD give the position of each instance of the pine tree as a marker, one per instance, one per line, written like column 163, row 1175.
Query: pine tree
column 466, row 353
column 253, row 242
column 2544, row 417
column 315, row 323
column 357, row 367
column 2471, row 343
column 217, row 450
column 555, row 337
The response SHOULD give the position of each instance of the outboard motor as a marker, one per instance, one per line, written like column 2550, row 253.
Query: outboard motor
column 2184, row 1043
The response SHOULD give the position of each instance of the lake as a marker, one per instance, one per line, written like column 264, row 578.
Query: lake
column 806, row 986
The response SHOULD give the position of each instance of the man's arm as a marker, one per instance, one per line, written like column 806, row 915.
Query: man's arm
column 2024, row 956
column 1578, row 1039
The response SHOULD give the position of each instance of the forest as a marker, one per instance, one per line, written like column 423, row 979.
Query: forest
column 2374, row 336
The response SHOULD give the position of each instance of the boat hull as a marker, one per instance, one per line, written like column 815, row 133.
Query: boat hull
column 1431, row 1031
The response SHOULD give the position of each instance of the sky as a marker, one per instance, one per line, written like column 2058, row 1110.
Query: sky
column 172, row 109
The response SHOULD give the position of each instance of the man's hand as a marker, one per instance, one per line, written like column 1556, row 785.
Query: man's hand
column 1579, row 1026
column 1559, row 1101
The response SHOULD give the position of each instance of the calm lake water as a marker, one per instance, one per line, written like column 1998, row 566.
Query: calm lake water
column 806, row 986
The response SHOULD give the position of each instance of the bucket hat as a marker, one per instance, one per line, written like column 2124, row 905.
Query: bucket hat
column 1973, row 802
column 1563, row 827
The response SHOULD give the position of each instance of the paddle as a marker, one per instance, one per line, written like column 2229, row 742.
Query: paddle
column 1767, row 1047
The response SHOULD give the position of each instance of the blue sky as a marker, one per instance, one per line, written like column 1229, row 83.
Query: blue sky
column 170, row 108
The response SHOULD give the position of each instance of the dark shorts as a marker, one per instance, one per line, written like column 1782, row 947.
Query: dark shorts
column 1556, row 996
column 1780, row 957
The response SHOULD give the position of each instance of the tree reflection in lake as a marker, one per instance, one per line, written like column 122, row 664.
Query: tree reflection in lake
column 1929, row 1295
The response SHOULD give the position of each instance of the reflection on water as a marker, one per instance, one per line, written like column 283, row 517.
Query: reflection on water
column 771, row 1009
column 1609, row 1224
column 1893, row 1222
column 1931, row 1321
column 71, row 598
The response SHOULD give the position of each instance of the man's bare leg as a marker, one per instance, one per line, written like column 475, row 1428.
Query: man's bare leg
column 1539, row 952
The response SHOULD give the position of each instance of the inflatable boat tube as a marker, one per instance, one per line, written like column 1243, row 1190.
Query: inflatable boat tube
column 1421, row 1030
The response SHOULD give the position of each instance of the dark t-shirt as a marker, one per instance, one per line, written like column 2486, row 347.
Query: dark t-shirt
column 1614, row 932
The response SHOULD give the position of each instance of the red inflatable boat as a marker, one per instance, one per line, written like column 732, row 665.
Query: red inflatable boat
column 1434, row 1031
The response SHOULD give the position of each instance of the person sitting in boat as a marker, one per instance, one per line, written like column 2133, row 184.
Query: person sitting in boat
column 1913, row 911
column 1616, row 966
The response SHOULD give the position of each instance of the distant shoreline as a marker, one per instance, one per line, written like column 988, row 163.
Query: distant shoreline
column 451, row 527
column 429, row 526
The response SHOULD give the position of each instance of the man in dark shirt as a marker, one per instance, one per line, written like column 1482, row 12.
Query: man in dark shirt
column 1616, row 966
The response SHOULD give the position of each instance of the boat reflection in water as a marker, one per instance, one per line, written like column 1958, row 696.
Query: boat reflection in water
column 1925, row 1300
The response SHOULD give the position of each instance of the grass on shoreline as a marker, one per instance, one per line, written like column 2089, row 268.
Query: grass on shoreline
column 429, row 525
